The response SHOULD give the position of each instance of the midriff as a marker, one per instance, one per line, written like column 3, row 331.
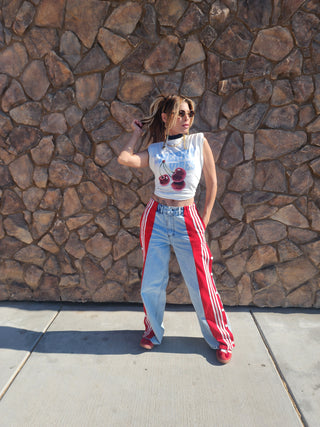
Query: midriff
column 172, row 202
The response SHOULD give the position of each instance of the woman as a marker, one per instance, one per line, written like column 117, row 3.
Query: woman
column 177, row 160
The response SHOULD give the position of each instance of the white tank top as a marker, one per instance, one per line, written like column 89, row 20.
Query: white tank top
column 177, row 167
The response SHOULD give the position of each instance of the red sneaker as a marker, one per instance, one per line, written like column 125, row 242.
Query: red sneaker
column 146, row 344
column 223, row 356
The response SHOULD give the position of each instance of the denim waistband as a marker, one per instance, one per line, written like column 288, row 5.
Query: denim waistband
column 170, row 210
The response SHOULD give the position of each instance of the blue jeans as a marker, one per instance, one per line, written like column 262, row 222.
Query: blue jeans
column 183, row 229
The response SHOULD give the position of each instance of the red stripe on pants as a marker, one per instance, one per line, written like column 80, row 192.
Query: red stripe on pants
column 211, row 301
column 146, row 227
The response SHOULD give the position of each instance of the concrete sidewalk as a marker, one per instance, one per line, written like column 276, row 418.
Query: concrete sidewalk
column 81, row 365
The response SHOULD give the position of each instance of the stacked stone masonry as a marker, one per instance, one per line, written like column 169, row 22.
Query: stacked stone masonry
column 74, row 73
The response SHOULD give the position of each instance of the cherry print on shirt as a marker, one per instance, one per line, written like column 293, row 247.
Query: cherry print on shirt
column 177, row 176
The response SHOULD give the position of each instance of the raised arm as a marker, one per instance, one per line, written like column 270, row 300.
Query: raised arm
column 127, row 156
column 210, row 177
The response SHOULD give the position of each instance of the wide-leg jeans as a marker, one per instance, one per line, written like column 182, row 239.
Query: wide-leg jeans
column 182, row 228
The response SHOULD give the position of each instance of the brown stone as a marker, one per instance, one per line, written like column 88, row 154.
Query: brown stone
column 84, row 18
column 80, row 139
column 261, row 257
column 298, row 235
column 305, row 26
column 13, row 96
column 24, row 18
column 288, row 250
column 314, row 126
column 50, row 13
column 64, row 148
column 124, row 243
column 42, row 221
column 59, row 232
column 73, row 115
column 75, row 247
column 32, row 198
column 170, row 11
column 230, row 237
column 262, row 89
column 110, row 84
column 256, row 67
column 314, row 215
column 40, row 41
column 5, row 177
column 192, row 19
column 42, row 154
column 312, row 250
column 54, row 123
column 124, row 18
column 273, row 43
column 245, row 290
column 99, row 246
column 64, row 174
column 31, row 254
column 48, row 289
column 35, row 80
column 94, row 274
column 234, row 42
column 228, row 86
column 95, row 117
column 282, row 93
column 88, row 90
column 118, row 271
column 192, row 53
column 238, row 102
column 237, row 264
column 40, row 176
column 302, row 88
column 289, row 67
column 210, row 108
column 213, row 72
column 51, row 199
column 16, row 226
column 59, row 73
column 269, row 231
column 10, row 203
column 48, row 244
column 194, row 81
column 272, row 296
column 116, row 47
column 13, row 60
column 133, row 220
column 91, row 197
column 5, row 125
column 70, row 48
column 96, row 174
column 103, row 154
column 232, row 205
column 270, row 176
column 124, row 198
column 297, row 158
column 301, row 180
column 135, row 88
column 265, row 278
column 21, row 171
column 249, row 120
column 232, row 153
column 69, row 281
column 79, row 220
column 254, row 213
column 27, row 114
column 109, row 221
column 164, row 56
column 295, row 272
column 108, row 131
column 94, row 61
column 71, row 202
column 283, row 117
column 124, row 113
column 32, row 276
column 118, row 173
column 267, row 146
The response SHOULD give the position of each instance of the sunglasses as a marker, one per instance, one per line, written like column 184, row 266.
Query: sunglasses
column 182, row 113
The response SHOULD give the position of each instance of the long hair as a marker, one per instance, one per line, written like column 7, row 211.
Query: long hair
column 157, row 130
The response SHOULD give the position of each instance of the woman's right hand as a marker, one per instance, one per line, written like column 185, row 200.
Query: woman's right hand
column 136, row 126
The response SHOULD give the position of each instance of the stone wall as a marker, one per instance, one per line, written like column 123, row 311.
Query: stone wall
column 73, row 74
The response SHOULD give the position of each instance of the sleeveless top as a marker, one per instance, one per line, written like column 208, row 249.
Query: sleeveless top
column 177, row 167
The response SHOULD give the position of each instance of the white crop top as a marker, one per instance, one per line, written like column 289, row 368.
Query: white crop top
column 177, row 167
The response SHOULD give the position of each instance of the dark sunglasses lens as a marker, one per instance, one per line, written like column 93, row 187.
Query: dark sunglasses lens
column 183, row 113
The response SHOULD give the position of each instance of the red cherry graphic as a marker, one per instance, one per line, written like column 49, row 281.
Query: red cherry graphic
column 164, row 179
column 179, row 175
column 178, row 185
